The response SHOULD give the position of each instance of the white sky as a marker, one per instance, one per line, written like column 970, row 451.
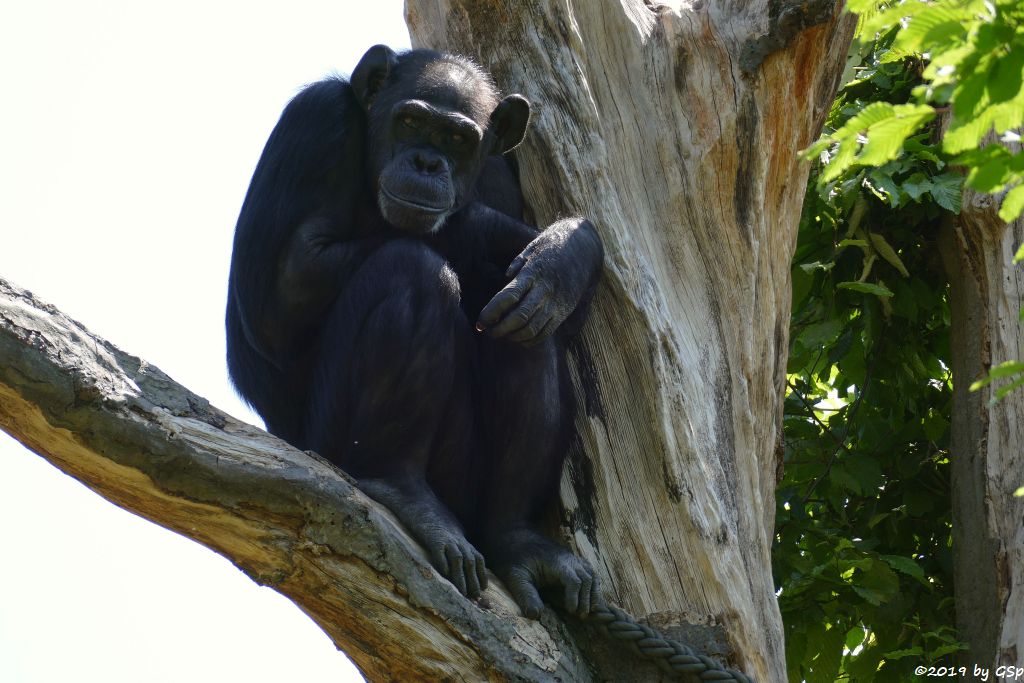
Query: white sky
column 128, row 133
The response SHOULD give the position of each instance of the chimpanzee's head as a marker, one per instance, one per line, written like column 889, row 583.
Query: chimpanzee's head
column 431, row 121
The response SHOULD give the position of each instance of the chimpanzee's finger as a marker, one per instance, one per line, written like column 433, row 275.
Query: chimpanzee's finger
column 438, row 559
column 517, row 264
column 520, row 585
column 524, row 315
column 502, row 302
column 471, row 560
column 481, row 572
column 572, row 584
column 586, row 587
column 455, row 575
column 532, row 332
column 545, row 331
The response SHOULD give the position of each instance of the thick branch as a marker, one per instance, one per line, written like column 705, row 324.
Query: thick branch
column 286, row 518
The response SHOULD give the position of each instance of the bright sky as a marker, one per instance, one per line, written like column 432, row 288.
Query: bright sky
column 128, row 133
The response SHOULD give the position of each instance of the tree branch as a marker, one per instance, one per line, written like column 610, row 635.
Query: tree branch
column 288, row 519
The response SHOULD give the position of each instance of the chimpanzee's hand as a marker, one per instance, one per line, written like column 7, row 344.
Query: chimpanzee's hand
column 550, row 277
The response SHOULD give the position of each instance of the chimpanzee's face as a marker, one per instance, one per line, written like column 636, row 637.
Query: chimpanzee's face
column 431, row 150
column 430, row 125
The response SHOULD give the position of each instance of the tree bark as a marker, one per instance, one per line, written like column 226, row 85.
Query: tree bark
column 286, row 518
column 987, row 449
column 675, row 128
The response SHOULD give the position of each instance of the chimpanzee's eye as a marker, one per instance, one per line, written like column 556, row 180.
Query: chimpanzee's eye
column 409, row 122
column 458, row 138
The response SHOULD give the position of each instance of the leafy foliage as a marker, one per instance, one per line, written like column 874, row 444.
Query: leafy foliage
column 975, row 51
column 863, row 545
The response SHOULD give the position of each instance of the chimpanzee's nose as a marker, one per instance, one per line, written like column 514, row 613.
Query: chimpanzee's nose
column 427, row 163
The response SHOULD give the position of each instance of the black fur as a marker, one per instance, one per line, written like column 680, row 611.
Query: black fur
column 389, row 309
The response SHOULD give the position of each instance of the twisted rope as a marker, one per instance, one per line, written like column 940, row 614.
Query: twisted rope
column 669, row 655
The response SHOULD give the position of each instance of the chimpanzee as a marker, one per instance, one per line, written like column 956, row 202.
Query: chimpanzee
column 389, row 309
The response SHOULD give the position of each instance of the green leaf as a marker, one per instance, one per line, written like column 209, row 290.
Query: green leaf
column 854, row 637
column 969, row 96
column 796, row 646
column 875, row 519
column 1013, row 205
column 844, row 478
column 1004, row 81
column 947, row 191
column 872, row 596
column 904, row 565
column 820, row 334
column 935, row 426
column 886, row 251
column 938, row 25
column 919, row 502
column 1019, row 493
column 884, row 187
column 922, row 150
column 991, row 176
column 866, row 471
column 1020, row 254
column 1007, row 369
column 882, row 127
column 825, row 667
column 1001, row 392
column 881, row 21
column 916, row 185
column 900, row 654
column 966, row 131
column 944, row 650
column 865, row 665
column 815, row 265
column 886, row 137
column 866, row 288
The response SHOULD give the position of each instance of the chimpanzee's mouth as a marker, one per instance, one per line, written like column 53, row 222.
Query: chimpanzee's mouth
column 410, row 204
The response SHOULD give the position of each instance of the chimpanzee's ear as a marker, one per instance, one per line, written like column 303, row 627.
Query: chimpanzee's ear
column 371, row 72
column 508, row 123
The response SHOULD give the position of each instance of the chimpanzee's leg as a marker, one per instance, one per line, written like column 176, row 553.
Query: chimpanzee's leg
column 390, row 382
column 525, row 413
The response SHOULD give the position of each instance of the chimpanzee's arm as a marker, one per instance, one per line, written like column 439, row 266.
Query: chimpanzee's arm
column 553, row 277
column 315, row 266
column 309, row 176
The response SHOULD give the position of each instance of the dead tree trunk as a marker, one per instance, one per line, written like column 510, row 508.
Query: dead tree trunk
column 676, row 129
column 674, row 126
column 987, row 450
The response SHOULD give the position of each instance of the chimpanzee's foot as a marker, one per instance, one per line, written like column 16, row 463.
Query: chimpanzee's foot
column 436, row 529
column 455, row 557
column 526, row 561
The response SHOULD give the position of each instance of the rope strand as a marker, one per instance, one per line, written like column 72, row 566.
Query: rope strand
column 669, row 655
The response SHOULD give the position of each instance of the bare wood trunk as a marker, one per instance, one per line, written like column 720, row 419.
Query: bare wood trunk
column 676, row 129
column 987, row 448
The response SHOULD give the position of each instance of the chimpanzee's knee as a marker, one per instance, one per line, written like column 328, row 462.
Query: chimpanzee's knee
column 406, row 271
column 390, row 360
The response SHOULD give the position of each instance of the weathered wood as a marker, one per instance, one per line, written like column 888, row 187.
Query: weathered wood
column 987, row 449
column 675, row 127
column 287, row 519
